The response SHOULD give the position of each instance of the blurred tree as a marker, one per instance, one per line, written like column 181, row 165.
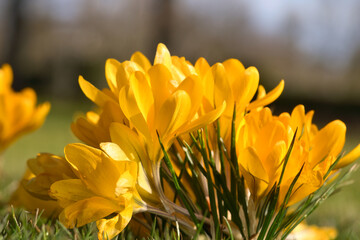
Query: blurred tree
column 14, row 36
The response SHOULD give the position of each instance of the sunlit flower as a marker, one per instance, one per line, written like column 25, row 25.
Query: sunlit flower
column 163, row 98
column 231, row 82
column 103, row 191
column 263, row 141
column 18, row 111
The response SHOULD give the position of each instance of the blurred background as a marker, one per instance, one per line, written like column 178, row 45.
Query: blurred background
column 313, row 45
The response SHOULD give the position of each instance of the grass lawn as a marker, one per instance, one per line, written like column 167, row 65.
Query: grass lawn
column 341, row 210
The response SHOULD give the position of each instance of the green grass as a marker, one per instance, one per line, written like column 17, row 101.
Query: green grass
column 19, row 224
column 341, row 210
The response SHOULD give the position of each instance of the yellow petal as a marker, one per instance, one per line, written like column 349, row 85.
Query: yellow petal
column 202, row 67
column 203, row 120
column 328, row 141
column 88, row 210
column 222, row 91
column 141, row 60
column 142, row 93
column 162, row 56
column 249, row 159
column 69, row 191
column 160, row 78
column 114, row 151
column 131, row 110
column 268, row 136
column 130, row 143
column 6, row 77
column 273, row 160
column 173, row 114
column 192, row 86
column 40, row 114
column 109, row 228
column 111, row 69
column 349, row 158
column 234, row 70
column 98, row 172
column 93, row 93
column 268, row 98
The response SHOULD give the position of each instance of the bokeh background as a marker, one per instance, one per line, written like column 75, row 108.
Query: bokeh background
column 313, row 45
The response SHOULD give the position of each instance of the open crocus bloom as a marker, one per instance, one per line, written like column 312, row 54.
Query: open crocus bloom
column 103, row 191
column 18, row 111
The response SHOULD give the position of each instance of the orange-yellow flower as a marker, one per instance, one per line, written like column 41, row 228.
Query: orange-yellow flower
column 103, row 190
column 263, row 141
column 18, row 111
column 163, row 98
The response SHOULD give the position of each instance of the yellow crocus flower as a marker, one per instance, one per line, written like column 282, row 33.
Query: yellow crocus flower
column 18, row 111
column 263, row 141
column 231, row 82
column 155, row 99
column 103, row 190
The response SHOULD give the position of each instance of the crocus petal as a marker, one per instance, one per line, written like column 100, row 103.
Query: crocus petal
column 249, row 159
column 160, row 78
column 268, row 98
column 111, row 68
column 162, row 56
column 234, row 70
column 141, row 60
column 173, row 114
column 202, row 67
column 130, row 143
column 222, row 90
column 203, row 120
column 192, row 86
column 6, row 76
column 114, row 151
column 88, row 210
column 131, row 110
column 328, row 141
column 69, row 191
column 99, row 173
column 349, row 158
column 93, row 93
column 142, row 93
column 109, row 228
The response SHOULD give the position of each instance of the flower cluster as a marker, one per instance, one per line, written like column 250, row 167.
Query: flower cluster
column 193, row 144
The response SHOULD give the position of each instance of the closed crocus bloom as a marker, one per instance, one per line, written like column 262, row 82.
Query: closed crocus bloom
column 262, row 143
column 41, row 173
column 263, row 140
column 18, row 111
column 103, row 191
column 231, row 82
